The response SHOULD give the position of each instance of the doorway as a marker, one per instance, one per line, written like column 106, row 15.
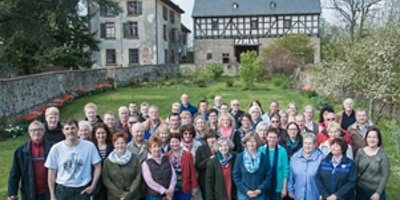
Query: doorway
column 244, row 48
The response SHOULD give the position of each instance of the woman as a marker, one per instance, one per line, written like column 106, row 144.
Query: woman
column 242, row 131
column 188, row 142
column 201, row 127
column 283, row 118
column 251, row 171
column 256, row 102
column 183, row 164
column 292, row 140
column 158, row 172
column 213, row 119
column 337, row 174
column 101, row 137
column 85, row 130
column 121, row 171
column 373, row 167
column 261, row 131
column 164, row 134
column 292, row 111
column 276, row 123
column 255, row 113
column 334, row 131
column 186, row 118
column 226, row 126
column 303, row 170
column 278, row 161
column 219, row 182
column 203, row 154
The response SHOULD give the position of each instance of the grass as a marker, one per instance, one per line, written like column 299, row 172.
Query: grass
column 164, row 97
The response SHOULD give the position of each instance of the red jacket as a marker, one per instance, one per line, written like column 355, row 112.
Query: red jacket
column 189, row 178
column 323, row 136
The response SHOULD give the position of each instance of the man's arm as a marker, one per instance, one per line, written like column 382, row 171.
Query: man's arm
column 51, row 179
column 14, row 178
column 95, row 179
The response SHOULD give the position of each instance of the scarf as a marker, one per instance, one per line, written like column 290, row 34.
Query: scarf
column 187, row 145
column 292, row 146
column 120, row 160
column 251, row 164
column 224, row 161
column 274, row 168
column 176, row 159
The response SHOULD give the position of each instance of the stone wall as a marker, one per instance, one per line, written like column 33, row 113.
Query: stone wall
column 22, row 94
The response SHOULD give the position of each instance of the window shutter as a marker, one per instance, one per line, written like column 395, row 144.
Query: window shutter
column 102, row 30
column 126, row 30
column 139, row 7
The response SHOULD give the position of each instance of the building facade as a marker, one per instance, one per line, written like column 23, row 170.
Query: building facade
column 142, row 33
column 223, row 29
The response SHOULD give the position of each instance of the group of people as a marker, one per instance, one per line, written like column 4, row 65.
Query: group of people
column 206, row 152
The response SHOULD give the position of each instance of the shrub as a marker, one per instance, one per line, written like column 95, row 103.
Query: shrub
column 229, row 82
column 249, row 69
column 321, row 101
column 217, row 70
column 201, row 77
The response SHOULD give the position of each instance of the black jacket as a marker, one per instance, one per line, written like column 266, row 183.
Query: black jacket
column 55, row 135
column 22, row 169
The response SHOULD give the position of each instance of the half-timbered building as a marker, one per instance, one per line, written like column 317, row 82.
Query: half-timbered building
column 223, row 29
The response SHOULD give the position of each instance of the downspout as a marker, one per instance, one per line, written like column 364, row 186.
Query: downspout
column 156, row 28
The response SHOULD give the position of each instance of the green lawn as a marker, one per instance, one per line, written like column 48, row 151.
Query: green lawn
column 164, row 97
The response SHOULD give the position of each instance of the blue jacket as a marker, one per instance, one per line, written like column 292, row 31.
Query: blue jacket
column 22, row 170
column 190, row 108
column 303, row 174
column 339, row 180
column 245, row 181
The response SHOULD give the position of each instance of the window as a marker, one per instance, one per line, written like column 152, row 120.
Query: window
column 214, row 24
column 287, row 23
column 165, row 12
column 254, row 24
column 111, row 57
column 134, row 7
column 107, row 30
column 165, row 32
column 133, row 56
column 172, row 57
column 172, row 16
column 165, row 56
column 107, row 11
column 131, row 30
column 225, row 58
column 209, row 56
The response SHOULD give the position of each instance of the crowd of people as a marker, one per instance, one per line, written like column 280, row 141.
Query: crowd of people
column 218, row 152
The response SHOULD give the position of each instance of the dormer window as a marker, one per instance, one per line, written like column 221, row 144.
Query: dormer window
column 272, row 4
column 235, row 6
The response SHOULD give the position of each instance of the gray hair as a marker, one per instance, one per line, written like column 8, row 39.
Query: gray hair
column 222, row 140
column 260, row 125
column 309, row 107
column 85, row 124
column 123, row 108
column 310, row 136
column 36, row 122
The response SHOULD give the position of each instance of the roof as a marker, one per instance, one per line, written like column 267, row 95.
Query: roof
column 219, row 8
column 172, row 5
column 185, row 29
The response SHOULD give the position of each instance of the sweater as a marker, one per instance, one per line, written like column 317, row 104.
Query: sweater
column 188, row 171
column 55, row 135
column 357, row 138
column 215, row 182
column 122, row 180
column 376, row 175
column 282, row 171
column 203, row 154
column 339, row 180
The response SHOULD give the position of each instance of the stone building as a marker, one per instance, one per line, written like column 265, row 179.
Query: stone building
column 223, row 29
column 142, row 33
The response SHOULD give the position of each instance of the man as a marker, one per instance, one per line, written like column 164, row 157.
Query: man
column 133, row 108
column 358, row 130
column 323, row 135
column 138, row 145
column 309, row 123
column 273, row 108
column 218, row 103
column 70, row 165
column 123, row 114
column 153, row 122
column 300, row 120
column 132, row 120
column 347, row 116
column 28, row 166
column 109, row 120
column 52, row 127
column 236, row 113
column 186, row 106
column 174, row 120
column 144, row 108
column 203, row 109
column 224, row 109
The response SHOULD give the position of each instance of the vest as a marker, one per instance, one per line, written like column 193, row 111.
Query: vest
column 160, row 173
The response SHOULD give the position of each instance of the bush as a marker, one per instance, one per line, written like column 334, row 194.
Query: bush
column 321, row 101
column 229, row 82
column 202, row 77
column 249, row 69
column 217, row 70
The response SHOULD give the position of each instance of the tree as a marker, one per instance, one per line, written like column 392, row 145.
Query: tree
column 249, row 69
column 369, row 71
column 37, row 34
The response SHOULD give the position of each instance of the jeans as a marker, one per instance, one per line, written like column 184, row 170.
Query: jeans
column 179, row 195
column 69, row 193
column 151, row 197
column 44, row 196
column 241, row 196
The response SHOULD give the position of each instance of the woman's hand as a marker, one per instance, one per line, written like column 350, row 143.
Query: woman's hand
column 375, row 196
column 283, row 193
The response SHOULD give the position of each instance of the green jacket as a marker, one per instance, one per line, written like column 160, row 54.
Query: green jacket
column 122, row 180
column 215, row 185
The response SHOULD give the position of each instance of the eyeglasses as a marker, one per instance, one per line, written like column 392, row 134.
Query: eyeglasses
column 330, row 119
column 292, row 129
column 132, row 122
column 186, row 133
column 235, row 104
column 36, row 130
